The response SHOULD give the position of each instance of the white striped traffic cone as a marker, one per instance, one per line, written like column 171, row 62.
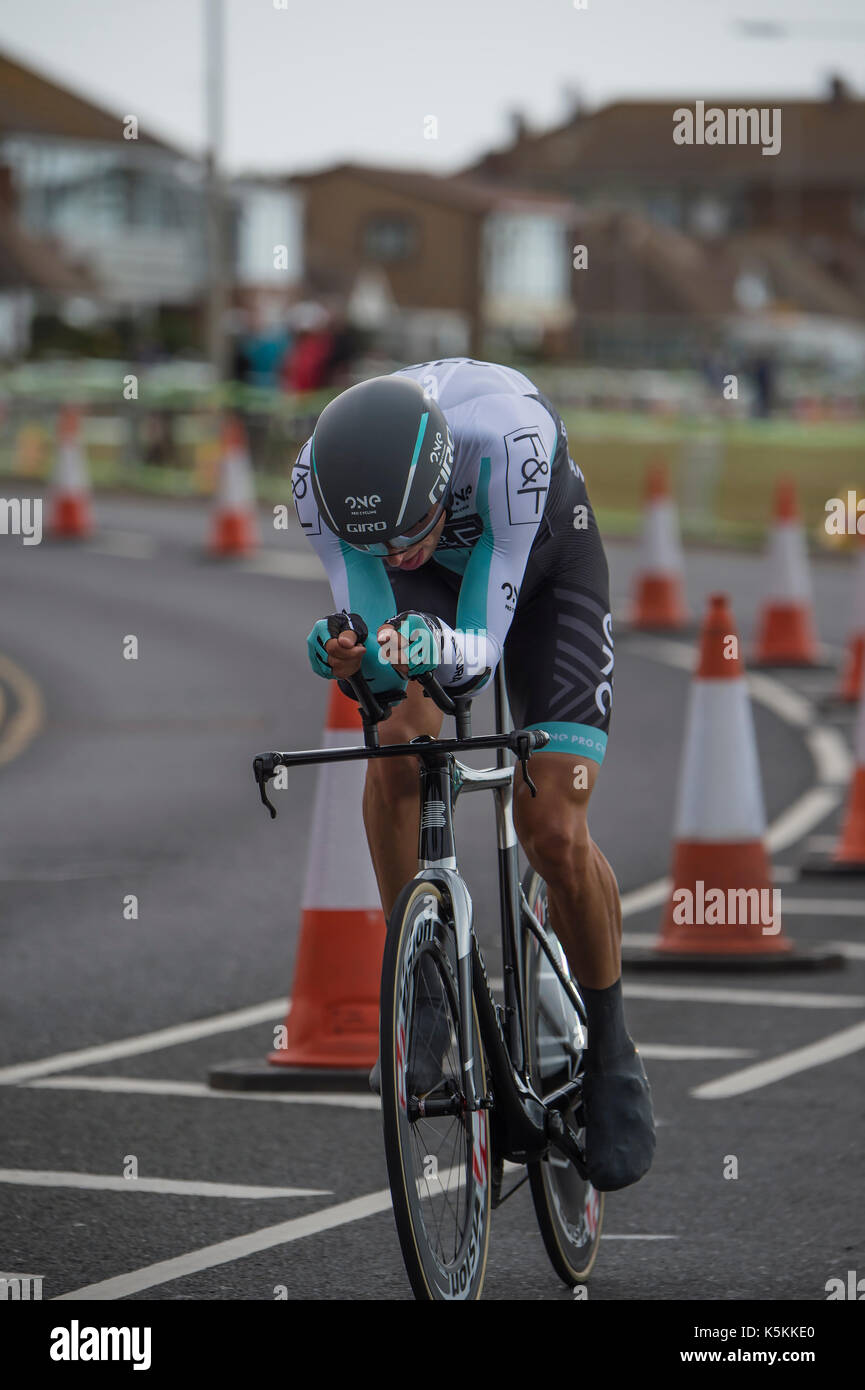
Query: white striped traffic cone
column 331, row 1033
column 70, row 489
column 234, row 529
column 853, row 672
column 786, row 635
column 722, row 913
column 658, row 601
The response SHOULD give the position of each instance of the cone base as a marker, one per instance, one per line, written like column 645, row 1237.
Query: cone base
column 234, row 533
column 786, row 637
column 658, row 604
column 333, row 1021
column 796, row 958
column 827, row 867
column 261, row 1076
column 70, row 518
column 701, row 868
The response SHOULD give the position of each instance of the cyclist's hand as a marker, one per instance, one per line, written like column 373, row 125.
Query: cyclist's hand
column 410, row 644
column 335, row 658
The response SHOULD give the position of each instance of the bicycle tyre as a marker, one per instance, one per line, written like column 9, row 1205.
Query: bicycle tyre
column 440, row 1266
column 570, row 1212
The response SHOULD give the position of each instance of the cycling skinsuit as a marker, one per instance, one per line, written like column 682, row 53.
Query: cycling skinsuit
column 519, row 568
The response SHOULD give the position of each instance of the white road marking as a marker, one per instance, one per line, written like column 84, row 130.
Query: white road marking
column 145, row 1042
column 830, row 754
column 808, row 810
column 127, row 545
column 854, row 950
column 785, row 873
column 287, row 564
column 604, row 1236
column 237, row 1249
column 820, row 843
column 110, row 1182
column 824, row 907
column 650, row 895
column 131, row 1085
column 781, row 999
column 788, row 1064
column 683, row 1052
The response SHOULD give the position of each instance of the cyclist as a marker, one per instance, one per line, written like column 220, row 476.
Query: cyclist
column 448, row 513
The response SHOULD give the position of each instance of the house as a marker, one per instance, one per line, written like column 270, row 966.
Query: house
column 441, row 264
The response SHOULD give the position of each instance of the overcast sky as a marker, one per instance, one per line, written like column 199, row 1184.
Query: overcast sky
column 323, row 80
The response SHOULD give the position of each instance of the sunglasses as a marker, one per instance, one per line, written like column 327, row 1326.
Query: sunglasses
column 405, row 541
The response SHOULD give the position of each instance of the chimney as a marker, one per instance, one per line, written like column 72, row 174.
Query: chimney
column 8, row 199
column 519, row 128
column 838, row 90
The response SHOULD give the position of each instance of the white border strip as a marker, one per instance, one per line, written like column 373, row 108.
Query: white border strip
column 137, row 1280
column 788, row 1064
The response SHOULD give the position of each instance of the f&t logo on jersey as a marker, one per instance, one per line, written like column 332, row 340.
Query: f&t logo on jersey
column 528, row 478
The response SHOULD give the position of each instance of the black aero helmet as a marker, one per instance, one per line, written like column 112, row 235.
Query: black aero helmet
column 382, row 455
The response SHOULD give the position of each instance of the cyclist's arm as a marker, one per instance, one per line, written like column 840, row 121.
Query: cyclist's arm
column 358, row 582
column 512, row 492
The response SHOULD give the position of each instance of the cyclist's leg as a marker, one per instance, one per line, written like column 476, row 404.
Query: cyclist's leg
column 559, row 659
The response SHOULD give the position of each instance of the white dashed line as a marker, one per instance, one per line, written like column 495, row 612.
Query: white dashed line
column 110, row 1182
column 145, row 1042
column 780, row 999
column 196, row 1090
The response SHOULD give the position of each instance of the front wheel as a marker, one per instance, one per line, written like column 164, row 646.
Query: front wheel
column 569, row 1210
column 438, row 1163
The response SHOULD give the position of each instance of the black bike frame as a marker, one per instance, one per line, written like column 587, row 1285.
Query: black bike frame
column 526, row 1124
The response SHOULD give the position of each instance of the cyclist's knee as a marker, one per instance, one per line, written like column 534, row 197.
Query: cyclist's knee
column 558, row 846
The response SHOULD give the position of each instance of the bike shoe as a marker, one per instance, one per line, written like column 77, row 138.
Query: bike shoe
column 375, row 1077
column 620, row 1127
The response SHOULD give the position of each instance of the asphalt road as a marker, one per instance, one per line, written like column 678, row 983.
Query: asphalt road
column 138, row 782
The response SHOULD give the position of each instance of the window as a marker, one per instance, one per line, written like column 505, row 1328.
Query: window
column 389, row 238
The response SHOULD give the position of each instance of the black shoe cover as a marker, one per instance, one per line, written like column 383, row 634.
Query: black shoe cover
column 620, row 1127
column 617, row 1102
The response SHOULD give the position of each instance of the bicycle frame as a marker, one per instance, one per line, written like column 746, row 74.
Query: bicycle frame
column 525, row 1124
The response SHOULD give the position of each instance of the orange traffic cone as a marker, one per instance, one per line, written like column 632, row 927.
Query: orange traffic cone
column 235, row 525
column 330, row 1037
column 658, row 600
column 723, row 912
column 848, row 856
column 786, row 634
column 70, row 490
column 853, row 673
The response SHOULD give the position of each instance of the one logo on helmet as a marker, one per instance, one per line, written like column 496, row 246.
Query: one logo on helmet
column 442, row 454
column 365, row 506
column 358, row 527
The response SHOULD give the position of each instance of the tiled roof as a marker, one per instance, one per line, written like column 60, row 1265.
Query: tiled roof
column 32, row 104
column 821, row 142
